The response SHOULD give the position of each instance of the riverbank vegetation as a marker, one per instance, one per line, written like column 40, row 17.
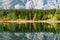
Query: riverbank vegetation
column 30, row 15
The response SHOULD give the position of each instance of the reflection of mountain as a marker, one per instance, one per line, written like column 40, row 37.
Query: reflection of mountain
column 37, row 4
column 29, row 36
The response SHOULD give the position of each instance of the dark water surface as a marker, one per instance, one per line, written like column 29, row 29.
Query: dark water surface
column 30, row 27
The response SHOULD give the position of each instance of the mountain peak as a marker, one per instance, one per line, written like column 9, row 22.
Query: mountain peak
column 28, row 4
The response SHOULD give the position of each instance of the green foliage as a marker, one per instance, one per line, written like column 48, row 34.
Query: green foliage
column 31, row 14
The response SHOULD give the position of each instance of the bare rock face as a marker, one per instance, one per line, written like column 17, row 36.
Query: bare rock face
column 29, row 36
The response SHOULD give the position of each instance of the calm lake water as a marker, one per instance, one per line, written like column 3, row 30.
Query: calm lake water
column 29, row 36
column 30, row 31
column 30, row 27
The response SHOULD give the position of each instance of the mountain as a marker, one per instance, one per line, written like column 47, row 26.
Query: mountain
column 29, row 4
column 29, row 36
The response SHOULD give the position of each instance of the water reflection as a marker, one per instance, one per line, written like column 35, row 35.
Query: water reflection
column 30, row 27
column 29, row 36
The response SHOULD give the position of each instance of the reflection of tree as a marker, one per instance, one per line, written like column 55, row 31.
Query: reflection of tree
column 32, row 14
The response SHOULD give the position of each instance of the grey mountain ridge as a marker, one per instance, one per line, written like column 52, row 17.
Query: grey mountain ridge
column 28, row 4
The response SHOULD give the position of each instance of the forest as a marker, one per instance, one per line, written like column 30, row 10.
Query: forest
column 9, row 17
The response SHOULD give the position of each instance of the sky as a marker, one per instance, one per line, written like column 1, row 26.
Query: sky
column 45, row 2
